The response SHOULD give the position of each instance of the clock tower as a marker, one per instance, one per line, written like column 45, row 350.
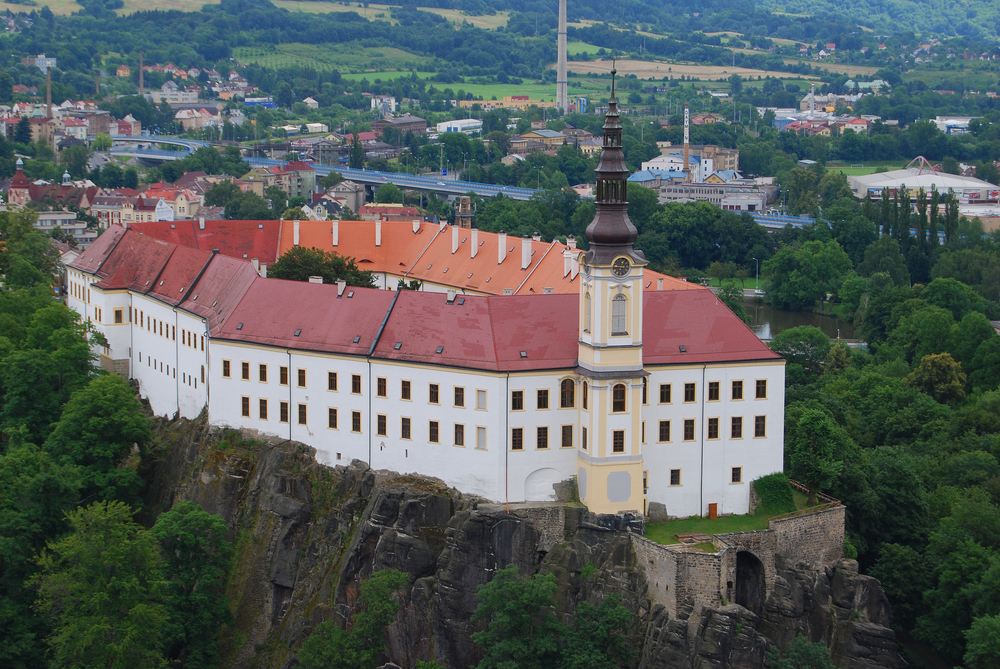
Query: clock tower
column 610, row 343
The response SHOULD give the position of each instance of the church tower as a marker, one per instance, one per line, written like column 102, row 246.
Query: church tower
column 610, row 343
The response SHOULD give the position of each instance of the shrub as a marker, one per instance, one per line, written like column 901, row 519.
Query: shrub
column 775, row 494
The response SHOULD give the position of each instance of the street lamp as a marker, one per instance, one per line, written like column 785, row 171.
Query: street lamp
column 538, row 181
column 757, row 280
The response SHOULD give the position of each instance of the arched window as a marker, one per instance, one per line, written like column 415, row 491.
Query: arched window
column 618, row 398
column 567, row 394
column 618, row 306
column 585, row 387
column 586, row 324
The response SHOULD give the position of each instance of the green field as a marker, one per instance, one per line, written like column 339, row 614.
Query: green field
column 663, row 533
column 330, row 57
column 574, row 48
column 865, row 168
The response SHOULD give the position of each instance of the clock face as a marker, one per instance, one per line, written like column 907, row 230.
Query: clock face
column 621, row 267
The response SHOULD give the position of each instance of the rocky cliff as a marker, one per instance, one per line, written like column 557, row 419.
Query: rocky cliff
column 306, row 535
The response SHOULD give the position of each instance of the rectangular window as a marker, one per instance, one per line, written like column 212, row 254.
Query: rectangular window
column 331, row 380
column 689, row 429
column 331, row 418
column 567, row 436
column 713, row 428
column 262, row 413
column 404, row 428
column 432, row 394
column 737, row 390
column 567, row 392
column 262, row 373
column 173, row 333
column 542, row 437
column 355, row 421
column 713, row 391
column 618, row 441
column 246, row 371
column 356, row 384
column 381, row 425
column 381, row 387
column 459, row 434
column 481, row 400
column 432, row 432
column 737, row 476
column 225, row 369
column 481, row 438
column 585, row 398
column 760, row 426
column 202, row 376
column 282, row 376
column 459, row 396
column 762, row 389
column 543, row 399
column 404, row 390
column 302, row 378
column 245, row 408
column 119, row 316
column 675, row 477
column 664, row 430
column 664, row 393
column 283, row 412
column 644, row 432
column 583, row 438
column 517, row 439
column 689, row 392
column 302, row 414
column 517, row 400
column 736, row 432
column 618, row 398
column 202, row 337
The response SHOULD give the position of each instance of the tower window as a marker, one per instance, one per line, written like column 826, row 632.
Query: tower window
column 618, row 304
column 618, row 398
column 585, row 394
column 618, row 441
column 586, row 321
column 567, row 394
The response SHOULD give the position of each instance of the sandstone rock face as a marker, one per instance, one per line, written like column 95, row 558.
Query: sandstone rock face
column 307, row 535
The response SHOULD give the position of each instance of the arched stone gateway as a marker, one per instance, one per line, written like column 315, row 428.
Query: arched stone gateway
column 751, row 586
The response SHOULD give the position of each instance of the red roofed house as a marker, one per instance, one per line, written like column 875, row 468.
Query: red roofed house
column 644, row 397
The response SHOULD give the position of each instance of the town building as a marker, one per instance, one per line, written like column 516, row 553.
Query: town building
column 466, row 125
column 404, row 124
column 637, row 395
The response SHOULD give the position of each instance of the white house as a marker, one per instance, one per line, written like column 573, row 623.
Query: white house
column 640, row 396
column 466, row 125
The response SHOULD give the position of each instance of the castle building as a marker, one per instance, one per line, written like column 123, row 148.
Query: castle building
column 639, row 395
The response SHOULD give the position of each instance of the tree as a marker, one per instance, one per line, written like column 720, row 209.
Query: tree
column 277, row 197
column 102, row 142
column 330, row 180
column 941, row 377
column 101, row 587
column 28, row 258
column 222, row 193
column 982, row 643
column 248, row 206
column 100, row 425
column 22, row 131
column 815, row 443
column 735, row 84
column 731, row 295
column 984, row 370
column 196, row 557
column 884, row 255
column 798, row 277
column 356, row 157
column 74, row 159
column 388, row 192
column 294, row 214
column 804, row 345
column 298, row 264
column 520, row 628
column 596, row 638
column 837, row 360
column 130, row 178
column 6, row 87
column 801, row 654
column 331, row 647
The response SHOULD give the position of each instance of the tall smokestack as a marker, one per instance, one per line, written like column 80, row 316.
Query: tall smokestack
column 141, row 90
column 687, row 137
column 812, row 101
column 562, row 97
column 48, row 92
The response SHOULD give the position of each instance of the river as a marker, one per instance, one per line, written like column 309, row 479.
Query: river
column 767, row 321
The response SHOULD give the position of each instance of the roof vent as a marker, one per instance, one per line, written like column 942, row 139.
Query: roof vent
column 161, row 283
column 445, row 270
column 244, row 255
column 357, row 339
column 173, row 227
column 181, row 290
column 240, row 326
column 298, row 332
column 398, row 346
column 524, row 354
column 431, row 265
column 196, row 297
column 350, row 294
column 683, row 348
column 260, row 226
column 440, row 350
column 546, row 291
column 461, row 301
column 213, row 303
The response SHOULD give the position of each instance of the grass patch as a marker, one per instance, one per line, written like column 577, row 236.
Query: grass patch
column 327, row 57
column 865, row 168
column 663, row 533
column 574, row 48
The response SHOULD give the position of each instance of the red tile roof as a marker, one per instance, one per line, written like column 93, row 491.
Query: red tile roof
column 244, row 240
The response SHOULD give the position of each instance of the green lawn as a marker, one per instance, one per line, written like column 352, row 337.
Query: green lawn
column 663, row 533
column 866, row 168
column 348, row 56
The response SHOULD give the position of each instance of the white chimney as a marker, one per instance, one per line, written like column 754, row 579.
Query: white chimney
column 571, row 242
column 451, row 296
column 659, row 284
column 263, row 270
column 567, row 261
column 336, row 232
column 378, row 232
column 315, row 279
column 416, row 225
column 475, row 242
column 454, row 238
column 201, row 222
column 574, row 269
column 525, row 252
column 442, row 226
column 256, row 264
column 340, row 287
column 537, row 236
column 295, row 233
column 501, row 246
